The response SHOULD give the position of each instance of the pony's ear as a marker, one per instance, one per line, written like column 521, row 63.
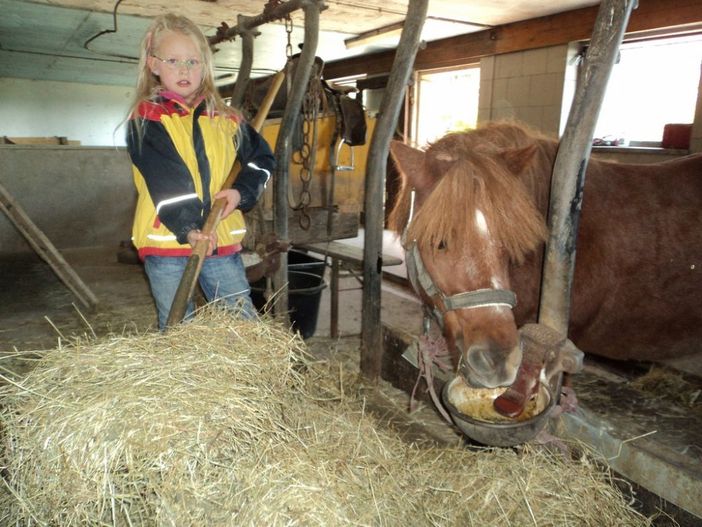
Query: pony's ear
column 410, row 163
column 518, row 159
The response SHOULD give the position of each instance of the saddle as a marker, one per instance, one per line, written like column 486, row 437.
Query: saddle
column 351, row 119
column 349, row 113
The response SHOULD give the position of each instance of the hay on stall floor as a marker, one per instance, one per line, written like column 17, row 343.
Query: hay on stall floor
column 664, row 383
column 225, row 422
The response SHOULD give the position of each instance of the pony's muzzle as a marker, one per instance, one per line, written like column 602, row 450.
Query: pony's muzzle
column 489, row 366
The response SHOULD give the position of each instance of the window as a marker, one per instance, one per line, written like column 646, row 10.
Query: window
column 654, row 83
column 445, row 101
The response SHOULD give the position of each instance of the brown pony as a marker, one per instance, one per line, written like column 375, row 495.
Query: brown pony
column 477, row 224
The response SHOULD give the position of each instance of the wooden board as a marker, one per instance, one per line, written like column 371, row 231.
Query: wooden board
column 348, row 185
column 56, row 140
column 344, row 225
column 535, row 33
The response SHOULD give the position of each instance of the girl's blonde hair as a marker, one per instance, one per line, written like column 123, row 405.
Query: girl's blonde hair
column 148, row 85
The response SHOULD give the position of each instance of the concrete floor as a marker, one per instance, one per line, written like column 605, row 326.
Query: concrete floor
column 37, row 310
column 35, row 307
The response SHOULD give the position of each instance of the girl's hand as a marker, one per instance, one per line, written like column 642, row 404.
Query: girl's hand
column 195, row 236
column 233, row 198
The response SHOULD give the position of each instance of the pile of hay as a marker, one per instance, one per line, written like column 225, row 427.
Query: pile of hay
column 225, row 422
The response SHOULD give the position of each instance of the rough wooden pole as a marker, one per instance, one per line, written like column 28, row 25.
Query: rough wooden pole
column 371, row 331
column 45, row 249
column 571, row 162
column 283, row 147
column 247, row 53
column 271, row 13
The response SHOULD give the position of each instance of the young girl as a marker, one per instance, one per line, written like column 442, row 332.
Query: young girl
column 182, row 140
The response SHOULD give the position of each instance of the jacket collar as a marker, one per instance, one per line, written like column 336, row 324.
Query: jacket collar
column 172, row 96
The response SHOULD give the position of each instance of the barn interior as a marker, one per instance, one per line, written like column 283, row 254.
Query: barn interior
column 66, row 78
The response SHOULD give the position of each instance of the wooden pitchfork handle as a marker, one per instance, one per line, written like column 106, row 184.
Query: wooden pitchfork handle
column 186, row 287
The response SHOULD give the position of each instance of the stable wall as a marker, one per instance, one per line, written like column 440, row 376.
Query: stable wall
column 77, row 196
column 89, row 113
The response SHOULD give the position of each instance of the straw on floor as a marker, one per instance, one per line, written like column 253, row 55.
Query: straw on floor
column 225, row 422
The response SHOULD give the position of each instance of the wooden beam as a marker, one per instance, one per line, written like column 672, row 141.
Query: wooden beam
column 570, row 166
column 45, row 249
column 393, row 97
column 540, row 32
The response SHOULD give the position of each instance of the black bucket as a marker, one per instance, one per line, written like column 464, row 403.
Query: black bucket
column 301, row 261
column 304, row 295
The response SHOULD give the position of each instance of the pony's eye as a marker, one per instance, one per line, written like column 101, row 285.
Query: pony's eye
column 441, row 246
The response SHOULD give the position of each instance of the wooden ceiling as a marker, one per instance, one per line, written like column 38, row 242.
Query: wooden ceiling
column 57, row 39
column 342, row 16
column 46, row 39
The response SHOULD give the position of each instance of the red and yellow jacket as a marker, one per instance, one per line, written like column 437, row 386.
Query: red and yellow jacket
column 180, row 160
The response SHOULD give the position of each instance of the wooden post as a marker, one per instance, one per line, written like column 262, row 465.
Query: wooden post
column 571, row 162
column 371, row 330
column 283, row 147
column 334, row 309
column 247, row 53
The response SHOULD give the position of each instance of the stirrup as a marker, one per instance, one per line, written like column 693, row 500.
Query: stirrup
column 342, row 168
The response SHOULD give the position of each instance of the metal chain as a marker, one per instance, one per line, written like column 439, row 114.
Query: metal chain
column 306, row 156
column 288, row 34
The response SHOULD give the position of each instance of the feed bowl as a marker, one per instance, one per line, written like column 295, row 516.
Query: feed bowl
column 472, row 411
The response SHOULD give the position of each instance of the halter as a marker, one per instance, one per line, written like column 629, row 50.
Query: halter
column 421, row 281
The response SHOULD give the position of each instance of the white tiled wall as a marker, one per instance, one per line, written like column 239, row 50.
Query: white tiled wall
column 527, row 86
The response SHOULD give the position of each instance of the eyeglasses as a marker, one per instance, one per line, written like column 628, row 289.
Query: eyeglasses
column 175, row 64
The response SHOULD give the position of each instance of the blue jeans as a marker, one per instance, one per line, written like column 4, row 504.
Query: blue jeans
column 222, row 278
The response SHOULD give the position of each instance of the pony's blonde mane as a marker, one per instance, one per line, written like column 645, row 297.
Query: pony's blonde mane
column 472, row 173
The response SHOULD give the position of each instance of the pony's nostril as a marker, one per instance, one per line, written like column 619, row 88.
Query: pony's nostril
column 488, row 367
column 481, row 359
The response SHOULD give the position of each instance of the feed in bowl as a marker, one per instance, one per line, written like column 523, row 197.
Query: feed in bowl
column 477, row 403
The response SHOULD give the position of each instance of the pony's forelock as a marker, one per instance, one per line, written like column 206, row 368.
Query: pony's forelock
column 478, row 180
